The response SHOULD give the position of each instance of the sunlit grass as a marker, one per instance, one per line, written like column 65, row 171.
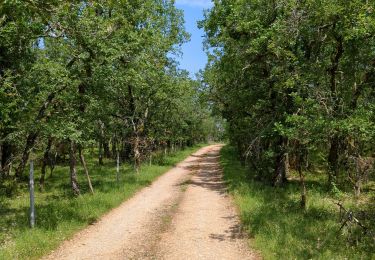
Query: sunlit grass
column 60, row 215
column 280, row 229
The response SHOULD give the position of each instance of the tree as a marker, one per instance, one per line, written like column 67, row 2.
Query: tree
column 93, row 73
column 288, row 77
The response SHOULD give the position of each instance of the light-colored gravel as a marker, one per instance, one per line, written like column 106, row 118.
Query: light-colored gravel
column 184, row 214
column 206, row 225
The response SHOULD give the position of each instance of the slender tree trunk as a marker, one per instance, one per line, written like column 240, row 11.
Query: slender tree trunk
column 281, row 163
column 100, row 153
column 30, row 141
column 52, row 163
column 136, row 154
column 114, row 147
column 107, row 152
column 73, row 170
column 6, row 157
column 46, row 159
column 333, row 160
column 333, row 155
column 118, row 167
column 1, row 162
column 303, row 187
column 101, row 142
column 302, row 156
column 127, row 151
column 357, row 188
column 83, row 162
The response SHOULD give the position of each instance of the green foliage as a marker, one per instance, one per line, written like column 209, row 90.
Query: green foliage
column 293, row 78
column 277, row 227
column 295, row 82
column 98, row 72
column 271, row 71
column 79, row 74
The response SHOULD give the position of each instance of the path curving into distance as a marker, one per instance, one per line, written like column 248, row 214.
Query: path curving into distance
column 185, row 214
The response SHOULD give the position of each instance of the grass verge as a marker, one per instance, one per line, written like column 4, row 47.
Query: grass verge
column 60, row 215
column 279, row 229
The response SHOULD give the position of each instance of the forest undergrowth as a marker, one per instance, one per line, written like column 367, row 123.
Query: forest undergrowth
column 280, row 229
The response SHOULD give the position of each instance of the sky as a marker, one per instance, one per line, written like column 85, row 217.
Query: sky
column 193, row 58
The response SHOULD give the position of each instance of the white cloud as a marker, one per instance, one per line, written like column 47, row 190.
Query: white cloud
column 197, row 3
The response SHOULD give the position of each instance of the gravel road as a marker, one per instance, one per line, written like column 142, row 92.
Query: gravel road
column 185, row 214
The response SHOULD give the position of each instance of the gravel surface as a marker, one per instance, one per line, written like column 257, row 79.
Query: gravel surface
column 206, row 225
column 184, row 214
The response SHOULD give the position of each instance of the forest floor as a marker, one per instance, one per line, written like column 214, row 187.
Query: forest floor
column 185, row 214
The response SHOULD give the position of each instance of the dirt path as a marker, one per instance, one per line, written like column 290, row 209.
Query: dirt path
column 206, row 225
column 185, row 214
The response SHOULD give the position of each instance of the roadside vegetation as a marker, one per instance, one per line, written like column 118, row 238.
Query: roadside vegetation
column 295, row 81
column 277, row 227
column 60, row 214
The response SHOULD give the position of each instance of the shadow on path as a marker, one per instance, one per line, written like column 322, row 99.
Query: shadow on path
column 209, row 174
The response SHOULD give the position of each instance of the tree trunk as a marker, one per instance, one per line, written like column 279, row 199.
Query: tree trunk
column 136, row 154
column 6, row 151
column 52, row 163
column 83, row 162
column 118, row 168
column 1, row 162
column 6, row 157
column 301, row 161
column 107, row 152
column 114, row 147
column 165, row 151
column 357, row 188
column 46, row 159
column 333, row 160
column 30, row 141
column 73, row 171
column 100, row 153
column 333, row 155
column 303, row 187
column 281, row 163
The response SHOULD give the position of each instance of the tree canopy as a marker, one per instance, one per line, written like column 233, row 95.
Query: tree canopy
column 78, row 74
column 295, row 81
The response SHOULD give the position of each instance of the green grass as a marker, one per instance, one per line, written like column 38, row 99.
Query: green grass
column 60, row 215
column 279, row 229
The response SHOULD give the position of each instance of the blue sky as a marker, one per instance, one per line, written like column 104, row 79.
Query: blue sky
column 193, row 58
